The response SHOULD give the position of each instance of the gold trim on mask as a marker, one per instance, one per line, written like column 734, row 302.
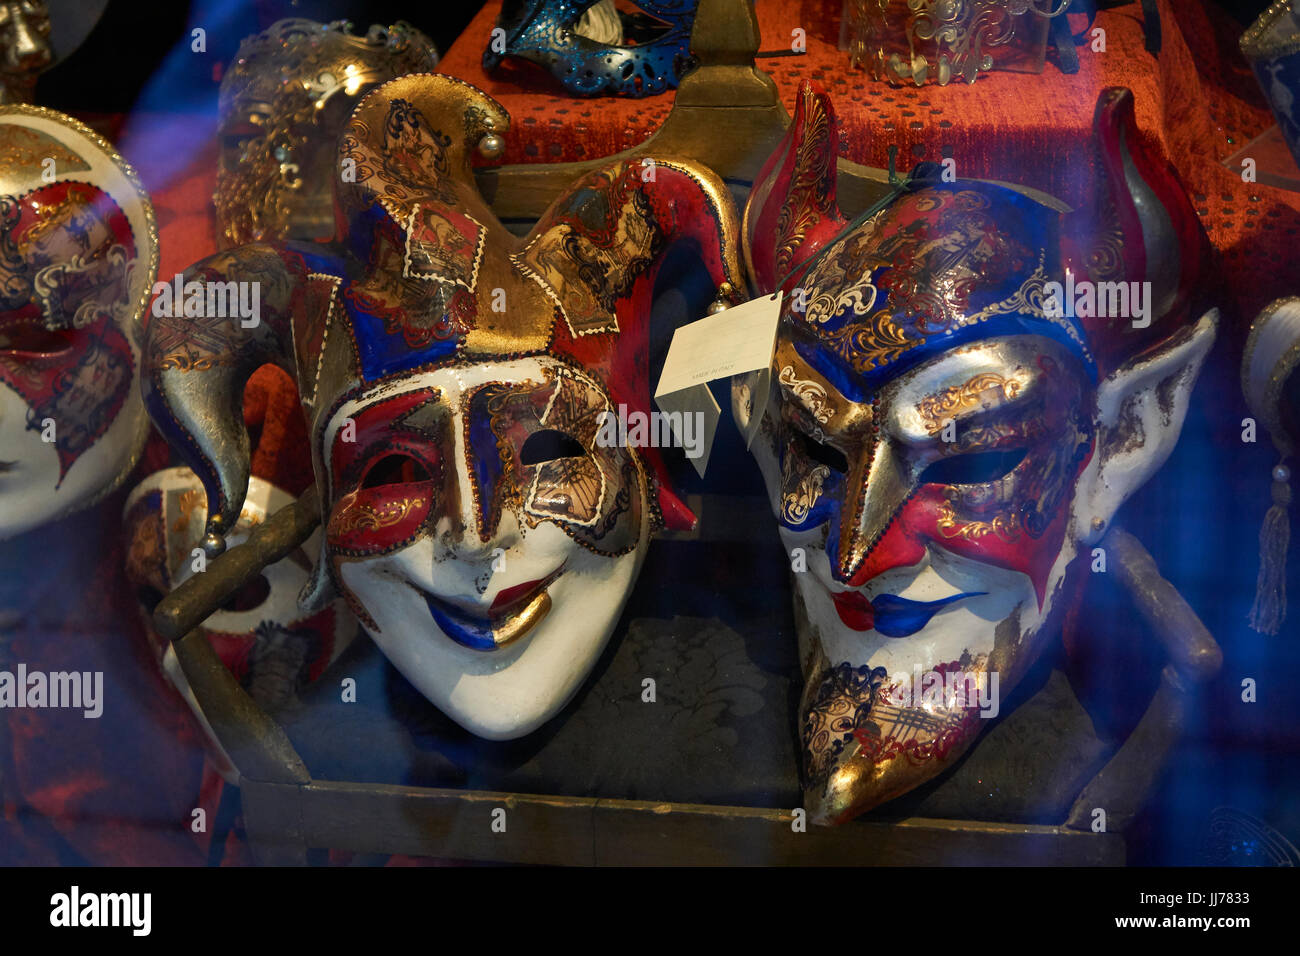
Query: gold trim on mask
column 1005, row 525
column 937, row 410
column 802, row 385
column 521, row 622
column 362, row 517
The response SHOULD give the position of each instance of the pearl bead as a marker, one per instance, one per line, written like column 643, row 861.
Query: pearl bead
column 491, row 146
column 1282, row 473
column 717, row 306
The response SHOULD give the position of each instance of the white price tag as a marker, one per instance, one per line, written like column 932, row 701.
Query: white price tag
column 738, row 340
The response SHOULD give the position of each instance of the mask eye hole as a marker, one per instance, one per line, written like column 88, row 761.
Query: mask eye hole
column 974, row 468
column 395, row 470
column 823, row 453
column 250, row 597
column 548, row 445
column 149, row 597
column 35, row 339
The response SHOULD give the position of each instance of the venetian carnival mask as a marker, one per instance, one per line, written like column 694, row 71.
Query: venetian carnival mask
column 454, row 378
column 78, row 254
column 954, row 418
column 283, row 105
column 270, row 644
column 591, row 48
column 24, row 48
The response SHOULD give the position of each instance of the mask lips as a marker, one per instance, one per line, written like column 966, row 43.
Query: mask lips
column 513, row 614
column 890, row 614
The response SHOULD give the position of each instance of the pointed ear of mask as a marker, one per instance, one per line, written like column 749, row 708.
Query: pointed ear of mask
column 596, row 253
column 1140, row 411
column 199, row 352
column 791, row 212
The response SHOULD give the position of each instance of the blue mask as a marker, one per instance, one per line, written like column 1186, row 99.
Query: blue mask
column 546, row 32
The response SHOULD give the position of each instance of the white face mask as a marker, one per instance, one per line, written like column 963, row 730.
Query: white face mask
column 271, row 645
column 474, row 521
column 77, row 260
column 486, row 540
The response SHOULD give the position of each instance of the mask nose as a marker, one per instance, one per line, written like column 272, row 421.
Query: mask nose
column 467, row 544
column 474, row 512
column 878, row 485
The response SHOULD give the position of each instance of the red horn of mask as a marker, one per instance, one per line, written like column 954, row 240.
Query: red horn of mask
column 795, row 213
column 1137, row 225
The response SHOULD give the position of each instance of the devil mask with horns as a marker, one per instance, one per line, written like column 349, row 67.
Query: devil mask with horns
column 454, row 378
column 965, row 389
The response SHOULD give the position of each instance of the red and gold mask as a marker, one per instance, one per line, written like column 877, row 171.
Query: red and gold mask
column 78, row 253
column 967, row 385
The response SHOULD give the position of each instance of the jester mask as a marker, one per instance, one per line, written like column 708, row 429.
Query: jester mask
column 967, row 384
column 454, row 379
column 268, row 642
column 78, row 253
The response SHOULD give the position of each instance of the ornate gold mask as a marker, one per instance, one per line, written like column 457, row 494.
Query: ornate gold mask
column 283, row 105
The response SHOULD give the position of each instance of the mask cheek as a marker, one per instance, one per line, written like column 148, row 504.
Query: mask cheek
column 1001, row 542
column 83, row 389
column 30, row 492
column 372, row 521
column 1021, row 524
column 809, row 490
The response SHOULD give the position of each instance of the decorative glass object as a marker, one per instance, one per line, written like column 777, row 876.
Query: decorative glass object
column 914, row 41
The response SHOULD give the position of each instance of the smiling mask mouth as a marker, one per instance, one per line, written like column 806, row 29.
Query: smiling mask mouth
column 514, row 613
column 889, row 614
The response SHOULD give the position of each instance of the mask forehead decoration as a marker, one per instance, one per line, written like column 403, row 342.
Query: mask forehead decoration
column 24, row 48
column 581, row 43
column 967, row 384
column 454, row 377
column 283, row 104
column 270, row 644
column 78, row 253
